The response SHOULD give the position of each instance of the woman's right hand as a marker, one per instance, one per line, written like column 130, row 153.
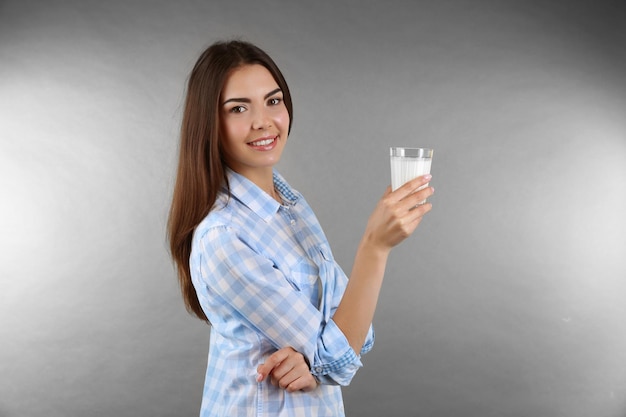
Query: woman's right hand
column 398, row 214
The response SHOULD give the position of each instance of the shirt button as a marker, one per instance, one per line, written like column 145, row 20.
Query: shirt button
column 318, row 369
column 293, row 222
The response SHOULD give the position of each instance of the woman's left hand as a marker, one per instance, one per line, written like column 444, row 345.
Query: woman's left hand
column 287, row 369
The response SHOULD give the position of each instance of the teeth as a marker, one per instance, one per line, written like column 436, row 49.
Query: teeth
column 263, row 142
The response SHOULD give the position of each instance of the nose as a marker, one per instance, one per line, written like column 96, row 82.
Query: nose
column 261, row 120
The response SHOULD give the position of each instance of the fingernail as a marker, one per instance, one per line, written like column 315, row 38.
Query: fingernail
column 259, row 377
column 428, row 176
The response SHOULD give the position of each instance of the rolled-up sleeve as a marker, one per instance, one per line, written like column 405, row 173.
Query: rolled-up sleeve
column 335, row 361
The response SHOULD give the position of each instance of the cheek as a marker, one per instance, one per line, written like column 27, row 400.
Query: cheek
column 233, row 131
column 282, row 119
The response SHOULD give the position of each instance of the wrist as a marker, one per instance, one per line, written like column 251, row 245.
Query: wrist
column 374, row 249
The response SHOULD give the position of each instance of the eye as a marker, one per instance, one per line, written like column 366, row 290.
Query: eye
column 274, row 101
column 237, row 109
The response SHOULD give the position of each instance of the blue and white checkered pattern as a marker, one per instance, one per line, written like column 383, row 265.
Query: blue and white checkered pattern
column 266, row 279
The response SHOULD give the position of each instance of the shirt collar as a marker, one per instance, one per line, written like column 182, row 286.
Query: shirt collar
column 258, row 200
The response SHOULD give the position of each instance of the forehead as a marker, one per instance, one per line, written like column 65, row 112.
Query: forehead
column 247, row 81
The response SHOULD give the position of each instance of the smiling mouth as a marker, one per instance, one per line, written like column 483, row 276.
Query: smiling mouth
column 263, row 142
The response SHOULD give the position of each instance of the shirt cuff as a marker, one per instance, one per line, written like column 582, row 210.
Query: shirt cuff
column 335, row 362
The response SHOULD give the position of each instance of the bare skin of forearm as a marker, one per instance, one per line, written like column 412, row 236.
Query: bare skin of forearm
column 356, row 310
column 396, row 217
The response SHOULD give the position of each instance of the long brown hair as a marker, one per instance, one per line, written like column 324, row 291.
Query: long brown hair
column 201, row 168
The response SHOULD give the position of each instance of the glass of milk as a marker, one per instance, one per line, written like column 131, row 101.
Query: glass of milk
column 409, row 163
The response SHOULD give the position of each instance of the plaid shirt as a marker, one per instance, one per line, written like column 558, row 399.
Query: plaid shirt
column 266, row 279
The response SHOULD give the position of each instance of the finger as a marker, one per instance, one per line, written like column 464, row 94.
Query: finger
column 410, row 186
column 418, row 212
column 301, row 370
column 416, row 215
column 292, row 375
column 417, row 198
column 304, row 383
column 410, row 221
column 265, row 369
column 290, row 369
column 296, row 385
column 271, row 362
column 294, row 364
column 279, row 372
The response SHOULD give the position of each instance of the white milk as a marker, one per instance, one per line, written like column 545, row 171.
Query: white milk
column 404, row 169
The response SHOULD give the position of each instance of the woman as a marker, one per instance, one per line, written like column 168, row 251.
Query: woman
column 287, row 326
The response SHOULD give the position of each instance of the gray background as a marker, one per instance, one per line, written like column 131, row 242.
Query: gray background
column 509, row 301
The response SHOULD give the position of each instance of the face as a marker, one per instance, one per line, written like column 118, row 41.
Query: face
column 254, row 121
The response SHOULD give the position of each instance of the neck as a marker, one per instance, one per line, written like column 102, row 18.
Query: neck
column 265, row 181
column 270, row 190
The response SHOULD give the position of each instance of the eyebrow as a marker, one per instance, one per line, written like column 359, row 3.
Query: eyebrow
column 247, row 100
